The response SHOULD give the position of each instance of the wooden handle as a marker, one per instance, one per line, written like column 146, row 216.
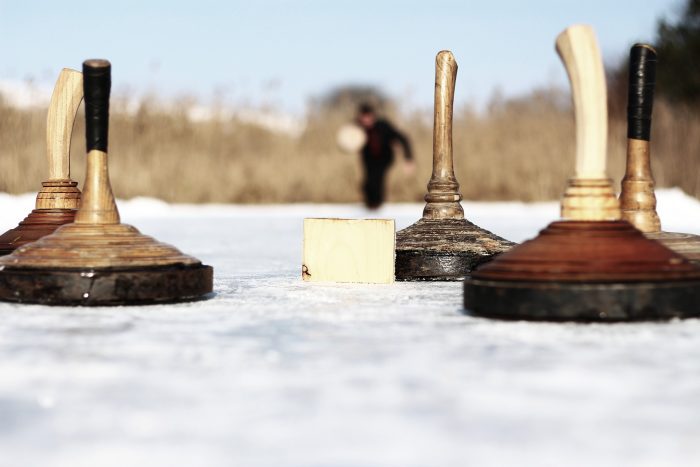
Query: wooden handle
column 97, row 77
column 65, row 100
column 445, row 79
column 97, row 205
column 578, row 49
column 640, row 94
column 589, row 195
column 443, row 189
column 637, row 198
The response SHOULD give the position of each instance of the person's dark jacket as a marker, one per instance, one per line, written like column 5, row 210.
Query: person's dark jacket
column 380, row 140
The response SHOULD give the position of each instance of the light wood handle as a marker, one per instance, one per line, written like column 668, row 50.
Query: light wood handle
column 578, row 49
column 65, row 100
column 589, row 195
column 443, row 189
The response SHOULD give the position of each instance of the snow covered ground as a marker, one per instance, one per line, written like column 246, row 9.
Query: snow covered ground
column 276, row 372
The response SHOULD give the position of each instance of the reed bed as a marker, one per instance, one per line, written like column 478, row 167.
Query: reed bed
column 516, row 149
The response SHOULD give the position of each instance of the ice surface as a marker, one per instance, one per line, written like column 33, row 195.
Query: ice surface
column 273, row 371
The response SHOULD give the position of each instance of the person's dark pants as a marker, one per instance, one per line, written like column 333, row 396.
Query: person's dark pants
column 373, row 188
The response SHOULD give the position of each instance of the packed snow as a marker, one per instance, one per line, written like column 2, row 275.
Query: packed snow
column 36, row 95
column 272, row 371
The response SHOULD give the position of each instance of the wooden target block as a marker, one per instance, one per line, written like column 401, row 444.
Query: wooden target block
column 349, row 250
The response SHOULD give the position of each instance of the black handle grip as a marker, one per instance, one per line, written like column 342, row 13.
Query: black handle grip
column 97, row 82
column 640, row 96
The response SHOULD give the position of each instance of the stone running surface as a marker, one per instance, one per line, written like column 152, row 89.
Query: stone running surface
column 276, row 372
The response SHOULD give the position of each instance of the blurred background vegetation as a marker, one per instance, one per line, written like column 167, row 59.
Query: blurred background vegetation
column 521, row 148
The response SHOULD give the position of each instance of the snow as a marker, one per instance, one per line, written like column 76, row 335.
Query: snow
column 276, row 372
column 33, row 95
column 25, row 95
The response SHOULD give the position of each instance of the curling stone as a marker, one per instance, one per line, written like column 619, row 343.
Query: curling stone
column 637, row 198
column 443, row 245
column 57, row 201
column 97, row 260
column 592, row 266
column 350, row 138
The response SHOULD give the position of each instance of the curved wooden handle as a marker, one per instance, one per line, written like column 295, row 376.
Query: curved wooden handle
column 578, row 49
column 443, row 189
column 640, row 94
column 445, row 78
column 65, row 100
column 589, row 195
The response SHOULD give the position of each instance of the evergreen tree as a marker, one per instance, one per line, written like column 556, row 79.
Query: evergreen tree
column 678, row 47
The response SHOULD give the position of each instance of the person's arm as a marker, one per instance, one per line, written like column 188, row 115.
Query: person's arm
column 396, row 135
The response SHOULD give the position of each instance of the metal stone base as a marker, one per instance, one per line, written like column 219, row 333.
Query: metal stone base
column 39, row 223
column 421, row 265
column 562, row 301
column 444, row 249
column 104, row 287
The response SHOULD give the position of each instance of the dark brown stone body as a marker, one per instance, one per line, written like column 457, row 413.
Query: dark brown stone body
column 39, row 223
column 591, row 271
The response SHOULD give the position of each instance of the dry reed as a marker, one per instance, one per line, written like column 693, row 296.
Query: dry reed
column 516, row 149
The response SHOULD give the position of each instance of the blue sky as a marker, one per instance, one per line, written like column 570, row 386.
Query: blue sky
column 282, row 52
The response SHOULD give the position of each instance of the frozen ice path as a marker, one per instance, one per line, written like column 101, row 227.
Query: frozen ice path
column 276, row 372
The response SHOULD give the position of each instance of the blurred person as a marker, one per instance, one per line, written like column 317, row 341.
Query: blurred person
column 378, row 153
